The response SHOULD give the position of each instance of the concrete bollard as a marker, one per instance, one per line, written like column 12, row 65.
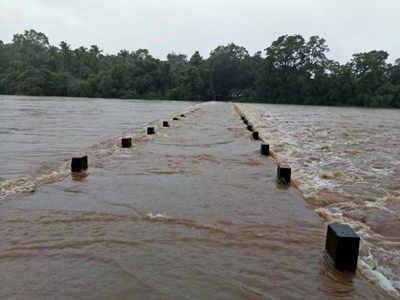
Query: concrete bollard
column 165, row 124
column 175, row 119
column 76, row 164
column 183, row 116
column 150, row 130
column 284, row 174
column 265, row 149
column 245, row 122
column 250, row 128
column 343, row 244
column 84, row 162
column 256, row 135
column 126, row 142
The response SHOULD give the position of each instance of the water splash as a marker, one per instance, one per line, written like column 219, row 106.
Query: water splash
column 344, row 165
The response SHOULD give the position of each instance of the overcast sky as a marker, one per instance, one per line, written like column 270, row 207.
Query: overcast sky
column 184, row 26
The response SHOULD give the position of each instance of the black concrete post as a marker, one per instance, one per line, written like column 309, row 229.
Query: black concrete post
column 165, row 124
column 250, row 128
column 265, row 149
column 151, row 130
column 84, row 162
column 256, row 135
column 175, row 119
column 126, row 142
column 342, row 244
column 183, row 116
column 76, row 164
column 245, row 121
column 284, row 174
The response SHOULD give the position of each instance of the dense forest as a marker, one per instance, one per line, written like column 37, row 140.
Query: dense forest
column 293, row 70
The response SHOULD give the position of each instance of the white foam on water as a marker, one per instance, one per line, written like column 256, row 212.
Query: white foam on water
column 157, row 216
column 377, row 277
column 28, row 184
column 369, row 265
column 325, row 158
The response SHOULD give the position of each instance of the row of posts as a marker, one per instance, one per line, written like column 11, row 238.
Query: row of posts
column 342, row 242
column 79, row 164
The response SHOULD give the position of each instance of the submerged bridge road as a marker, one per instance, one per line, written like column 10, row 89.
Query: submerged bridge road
column 192, row 212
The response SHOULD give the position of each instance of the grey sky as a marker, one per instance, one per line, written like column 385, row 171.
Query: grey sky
column 183, row 26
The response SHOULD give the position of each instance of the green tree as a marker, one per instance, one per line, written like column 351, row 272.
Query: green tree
column 294, row 70
column 226, row 64
column 370, row 71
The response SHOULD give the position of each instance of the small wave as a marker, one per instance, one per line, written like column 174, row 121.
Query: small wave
column 377, row 277
column 29, row 184
column 164, row 172
column 51, row 245
column 156, row 216
column 337, row 175
column 162, row 218
column 326, row 148
column 207, row 157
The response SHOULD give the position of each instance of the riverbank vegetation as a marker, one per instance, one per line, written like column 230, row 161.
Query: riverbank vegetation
column 290, row 70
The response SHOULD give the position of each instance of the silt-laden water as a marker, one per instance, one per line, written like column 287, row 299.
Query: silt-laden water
column 193, row 212
column 346, row 163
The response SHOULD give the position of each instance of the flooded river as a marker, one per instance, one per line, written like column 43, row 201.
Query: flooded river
column 194, row 211
column 346, row 163
column 38, row 134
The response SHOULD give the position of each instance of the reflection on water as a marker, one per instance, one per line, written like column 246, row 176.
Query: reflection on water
column 346, row 163
column 192, row 212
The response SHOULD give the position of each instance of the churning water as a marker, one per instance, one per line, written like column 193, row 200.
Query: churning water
column 194, row 211
column 346, row 163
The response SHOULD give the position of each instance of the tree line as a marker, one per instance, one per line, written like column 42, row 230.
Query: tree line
column 293, row 70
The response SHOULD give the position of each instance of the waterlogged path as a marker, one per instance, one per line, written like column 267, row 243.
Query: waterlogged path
column 192, row 212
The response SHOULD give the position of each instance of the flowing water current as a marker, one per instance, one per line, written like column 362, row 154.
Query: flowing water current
column 37, row 134
column 194, row 211
column 346, row 163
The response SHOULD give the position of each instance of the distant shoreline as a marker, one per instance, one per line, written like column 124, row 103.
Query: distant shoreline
column 194, row 101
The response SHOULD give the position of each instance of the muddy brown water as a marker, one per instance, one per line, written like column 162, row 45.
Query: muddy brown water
column 346, row 163
column 193, row 212
column 39, row 135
